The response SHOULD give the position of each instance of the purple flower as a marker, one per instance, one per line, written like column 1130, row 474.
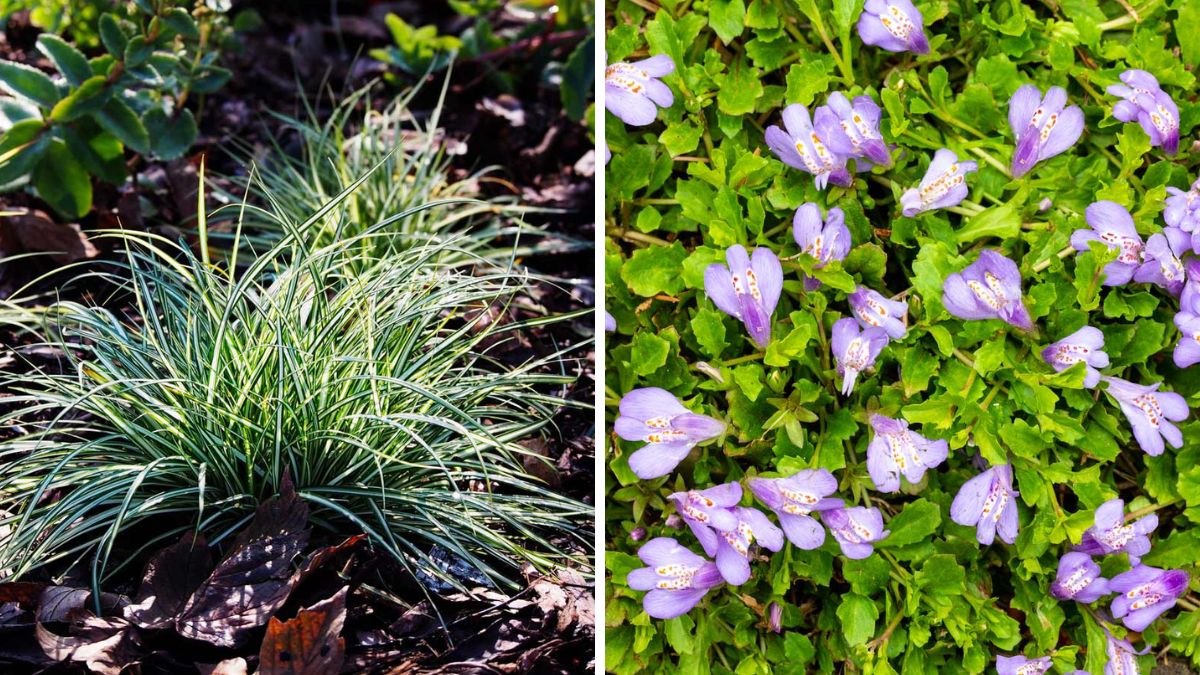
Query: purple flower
column 1019, row 665
column 875, row 311
column 824, row 240
column 855, row 529
column 988, row 502
column 1079, row 579
column 733, row 547
column 794, row 498
column 610, row 323
column 800, row 147
column 670, row 430
column 896, row 450
column 852, row 130
column 1086, row 345
column 1161, row 265
column 1148, row 105
column 633, row 92
column 989, row 288
column 1121, row 655
column 1112, row 225
column 1189, row 299
column 1145, row 593
column 775, row 617
column 855, row 351
column 746, row 289
column 1111, row 535
column 894, row 25
column 1042, row 126
column 1150, row 412
column 944, row 185
column 1187, row 351
column 708, row 512
column 1183, row 211
column 676, row 578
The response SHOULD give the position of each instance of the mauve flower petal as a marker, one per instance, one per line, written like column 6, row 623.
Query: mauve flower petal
column 765, row 533
column 803, row 531
column 659, row 65
column 661, row 604
column 872, row 32
column 662, row 550
column 1064, row 135
column 769, row 271
column 735, row 569
column 718, row 286
column 807, row 225
column 698, row 427
column 1126, row 111
column 967, row 507
column 781, row 144
column 1021, row 107
column 658, row 459
column 642, row 579
column 828, row 125
column 632, row 109
column 1187, row 351
column 650, row 402
column 1019, row 665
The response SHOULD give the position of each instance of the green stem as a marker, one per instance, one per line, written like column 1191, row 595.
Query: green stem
column 900, row 571
column 636, row 237
column 1134, row 515
column 847, row 74
column 882, row 640
column 744, row 359
column 993, row 161
column 1066, row 252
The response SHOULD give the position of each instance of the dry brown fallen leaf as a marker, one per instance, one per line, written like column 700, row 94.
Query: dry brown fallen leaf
column 255, row 579
column 36, row 232
column 309, row 644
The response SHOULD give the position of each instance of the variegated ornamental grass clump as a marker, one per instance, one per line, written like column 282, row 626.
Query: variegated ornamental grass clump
column 381, row 387
column 903, row 302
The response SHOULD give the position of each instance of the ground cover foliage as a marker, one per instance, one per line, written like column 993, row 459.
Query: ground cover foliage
column 345, row 251
column 701, row 178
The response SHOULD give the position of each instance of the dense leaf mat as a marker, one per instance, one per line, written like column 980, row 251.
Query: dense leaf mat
column 700, row 179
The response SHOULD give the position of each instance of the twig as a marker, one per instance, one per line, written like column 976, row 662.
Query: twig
column 887, row 632
column 530, row 44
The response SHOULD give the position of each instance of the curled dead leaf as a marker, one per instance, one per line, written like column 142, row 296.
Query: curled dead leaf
column 254, row 579
column 35, row 231
column 310, row 643
column 171, row 576
column 106, row 645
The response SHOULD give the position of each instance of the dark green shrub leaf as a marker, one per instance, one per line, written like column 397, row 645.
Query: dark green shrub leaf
column 113, row 36
column 118, row 119
column 21, row 147
column 63, row 182
column 182, row 23
column 29, row 83
column 88, row 98
column 171, row 136
column 70, row 61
